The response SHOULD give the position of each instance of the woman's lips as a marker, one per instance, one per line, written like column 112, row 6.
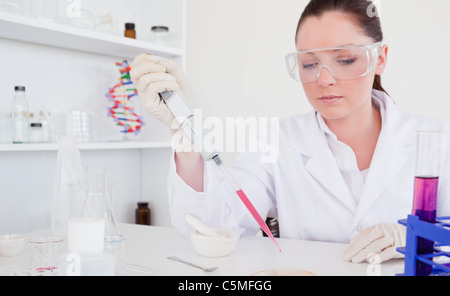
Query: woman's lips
column 330, row 99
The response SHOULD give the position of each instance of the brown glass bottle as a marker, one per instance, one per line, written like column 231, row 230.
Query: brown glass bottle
column 272, row 223
column 130, row 31
column 143, row 214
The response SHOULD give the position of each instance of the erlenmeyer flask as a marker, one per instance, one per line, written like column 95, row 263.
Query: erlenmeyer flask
column 95, row 206
column 99, row 199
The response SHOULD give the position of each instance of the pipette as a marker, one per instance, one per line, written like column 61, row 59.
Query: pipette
column 183, row 113
column 245, row 199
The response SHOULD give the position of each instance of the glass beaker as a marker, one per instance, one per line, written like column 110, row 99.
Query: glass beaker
column 45, row 251
column 78, row 125
column 114, row 244
column 426, row 188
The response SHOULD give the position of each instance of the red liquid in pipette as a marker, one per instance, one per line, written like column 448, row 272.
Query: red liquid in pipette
column 256, row 216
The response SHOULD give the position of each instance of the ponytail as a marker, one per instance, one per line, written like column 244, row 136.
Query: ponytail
column 377, row 84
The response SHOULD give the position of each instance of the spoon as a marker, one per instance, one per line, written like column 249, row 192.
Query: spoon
column 207, row 269
column 200, row 226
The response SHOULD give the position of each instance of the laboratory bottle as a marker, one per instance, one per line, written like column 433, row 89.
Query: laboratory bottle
column 272, row 223
column 143, row 214
column 160, row 34
column 19, row 117
column 130, row 31
column 35, row 132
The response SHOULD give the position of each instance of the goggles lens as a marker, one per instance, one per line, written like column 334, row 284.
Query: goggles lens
column 344, row 63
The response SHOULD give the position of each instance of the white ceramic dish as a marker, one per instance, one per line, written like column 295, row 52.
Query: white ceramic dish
column 12, row 245
column 214, row 246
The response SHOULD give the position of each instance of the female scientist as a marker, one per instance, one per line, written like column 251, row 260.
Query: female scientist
column 345, row 172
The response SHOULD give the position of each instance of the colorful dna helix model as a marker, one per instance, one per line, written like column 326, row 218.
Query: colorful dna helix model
column 121, row 94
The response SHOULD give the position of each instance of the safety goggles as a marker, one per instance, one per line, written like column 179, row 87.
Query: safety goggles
column 344, row 62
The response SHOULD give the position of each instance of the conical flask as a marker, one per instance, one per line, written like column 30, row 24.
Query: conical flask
column 99, row 198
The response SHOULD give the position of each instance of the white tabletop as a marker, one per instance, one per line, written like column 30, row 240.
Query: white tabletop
column 150, row 246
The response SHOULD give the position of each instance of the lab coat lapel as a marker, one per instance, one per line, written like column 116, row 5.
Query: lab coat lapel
column 386, row 164
column 321, row 164
column 389, row 158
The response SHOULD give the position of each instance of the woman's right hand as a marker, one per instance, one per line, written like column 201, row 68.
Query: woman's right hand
column 151, row 76
column 150, row 79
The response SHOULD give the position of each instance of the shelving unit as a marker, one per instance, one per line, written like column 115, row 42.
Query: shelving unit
column 63, row 66
column 27, row 29
column 84, row 146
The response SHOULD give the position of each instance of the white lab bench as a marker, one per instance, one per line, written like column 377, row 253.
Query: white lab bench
column 150, row 246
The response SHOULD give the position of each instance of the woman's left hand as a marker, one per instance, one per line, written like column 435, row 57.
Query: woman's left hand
column 379, row 240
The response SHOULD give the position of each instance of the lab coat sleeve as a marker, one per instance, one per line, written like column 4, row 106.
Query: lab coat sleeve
column 219, row 206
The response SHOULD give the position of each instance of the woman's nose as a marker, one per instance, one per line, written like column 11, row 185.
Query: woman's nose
column 326, row 77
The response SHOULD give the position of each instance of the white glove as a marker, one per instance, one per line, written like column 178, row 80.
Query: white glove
column 151, row 75
column 379, row 240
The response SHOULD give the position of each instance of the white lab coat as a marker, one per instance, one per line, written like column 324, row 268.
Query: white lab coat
column 304, row 188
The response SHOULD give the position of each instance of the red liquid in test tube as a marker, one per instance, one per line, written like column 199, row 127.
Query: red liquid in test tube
column 426, row 189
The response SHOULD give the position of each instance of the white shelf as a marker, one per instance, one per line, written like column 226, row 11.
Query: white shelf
column 27, row 29
column 84, row 146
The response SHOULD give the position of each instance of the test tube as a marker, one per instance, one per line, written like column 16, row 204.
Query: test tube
column 426, row 188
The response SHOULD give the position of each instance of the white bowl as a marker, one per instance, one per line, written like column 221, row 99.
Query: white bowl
column 215, row 246
column 12, row 244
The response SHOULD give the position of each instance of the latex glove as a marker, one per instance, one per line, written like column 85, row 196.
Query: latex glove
column 379, row 240
column 151, row 75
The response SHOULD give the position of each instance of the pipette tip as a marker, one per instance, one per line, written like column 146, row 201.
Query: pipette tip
column 275, row 242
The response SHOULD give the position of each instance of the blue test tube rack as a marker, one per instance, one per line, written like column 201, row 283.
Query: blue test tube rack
column 438, row 232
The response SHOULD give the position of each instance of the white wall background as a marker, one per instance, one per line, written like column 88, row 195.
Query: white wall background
column 236, row 51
